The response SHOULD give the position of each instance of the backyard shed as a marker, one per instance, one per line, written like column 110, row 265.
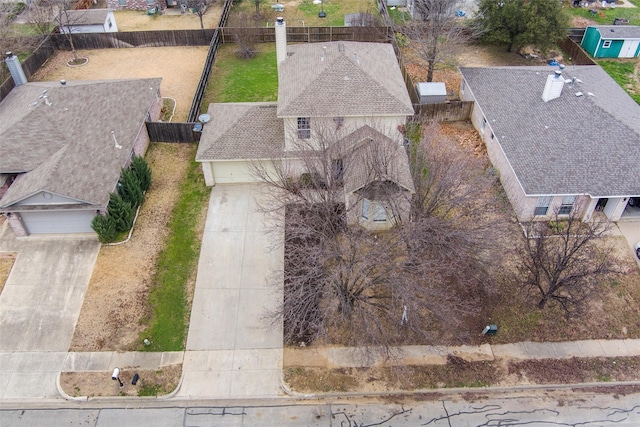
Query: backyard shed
column 432, row 92
column 612, row 41
column 90, row 21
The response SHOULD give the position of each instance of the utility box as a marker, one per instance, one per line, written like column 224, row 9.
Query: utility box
column 432, row 93
column 490, row 330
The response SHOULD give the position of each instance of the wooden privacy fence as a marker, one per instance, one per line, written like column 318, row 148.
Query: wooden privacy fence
column 307, row 34
column 575, row 51
column 194, row 111
column 444, row 112
column 134, row 39
column 172, row 132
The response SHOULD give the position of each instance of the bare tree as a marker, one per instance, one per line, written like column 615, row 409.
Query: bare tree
column 566, row 260
column 435, row 32
column 40, row 15
column 245, row 35
column 65, row 17
column 10, row 38
column 344, row 283
column 199, row 7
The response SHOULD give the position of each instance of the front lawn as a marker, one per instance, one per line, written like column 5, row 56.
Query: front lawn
column 243, row 80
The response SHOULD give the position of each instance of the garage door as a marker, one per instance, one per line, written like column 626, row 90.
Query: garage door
column 57, row 222
column 232, row 172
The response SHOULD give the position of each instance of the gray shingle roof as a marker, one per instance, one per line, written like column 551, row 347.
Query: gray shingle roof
column 87, row 17
column 353, row 79
column 619, row 31
column 66, row 148
column 569, row 145
column 246, row 130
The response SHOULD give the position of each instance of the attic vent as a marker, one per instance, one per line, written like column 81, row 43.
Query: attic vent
column 340, row 47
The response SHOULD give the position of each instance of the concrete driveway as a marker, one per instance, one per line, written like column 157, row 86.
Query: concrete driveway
column 631, row 231
column 232, row 352
column 39, row 308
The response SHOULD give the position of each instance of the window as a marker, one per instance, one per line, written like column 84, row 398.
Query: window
column 150, row 2
column 122, row 2
column 110, row 23
column 462, row 87
column 492, row 136
column 304, row 127
column 567, row 205
column 542, row 206
column 338, row 169
column 606, row 44
column 338, row 121
column 484, row 124
column 365, row 209
column 379, row 213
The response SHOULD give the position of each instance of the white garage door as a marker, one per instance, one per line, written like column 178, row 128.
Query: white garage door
column 232, row 172
column 57, row 222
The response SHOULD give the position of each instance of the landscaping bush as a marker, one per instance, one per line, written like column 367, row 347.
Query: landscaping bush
column 142, row 172
column 121, row 212
column 130, row 188
column 105, row 228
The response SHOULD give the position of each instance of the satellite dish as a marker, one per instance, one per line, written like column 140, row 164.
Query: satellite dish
column 204, row 118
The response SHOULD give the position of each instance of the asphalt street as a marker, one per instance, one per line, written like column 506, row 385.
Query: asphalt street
column 540, row 409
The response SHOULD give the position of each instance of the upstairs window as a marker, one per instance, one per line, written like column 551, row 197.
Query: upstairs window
column 606, row 44
column 304, row 127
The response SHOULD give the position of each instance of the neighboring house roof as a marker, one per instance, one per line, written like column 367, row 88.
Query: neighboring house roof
column 374, row 158
column 246, row 130
column 86, row 17
column 60, row 140
column 618, row 31
column 341, row 79
column 587, row 144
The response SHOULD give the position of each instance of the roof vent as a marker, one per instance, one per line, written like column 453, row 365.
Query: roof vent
column 63, row 82
column 579, row 94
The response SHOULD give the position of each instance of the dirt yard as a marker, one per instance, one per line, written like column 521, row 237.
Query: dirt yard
column 150, row 383
column 179, row 67
column 135, row 20
column 6, row 262
column 116, row 300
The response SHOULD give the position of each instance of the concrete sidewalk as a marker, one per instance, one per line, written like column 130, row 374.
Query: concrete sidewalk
column 437, row 355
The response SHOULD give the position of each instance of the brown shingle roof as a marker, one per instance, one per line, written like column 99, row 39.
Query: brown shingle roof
column 374, row 158
column 341, row 79
column 245, row 130
column 66, row 147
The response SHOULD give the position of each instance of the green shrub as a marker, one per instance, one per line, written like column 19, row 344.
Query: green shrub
column 130, row 188
column 105, row 228
column 142, row 171
column 121, row 212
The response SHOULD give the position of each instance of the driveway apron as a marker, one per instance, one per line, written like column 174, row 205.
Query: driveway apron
column 232, row 351
column 39, row 308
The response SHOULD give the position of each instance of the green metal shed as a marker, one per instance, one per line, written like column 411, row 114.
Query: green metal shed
column 612, row 41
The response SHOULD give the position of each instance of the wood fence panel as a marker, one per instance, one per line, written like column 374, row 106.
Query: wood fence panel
column 576, row 53
column 30, row 65
column 172, row 132
column 445, row 112
column 135, row 39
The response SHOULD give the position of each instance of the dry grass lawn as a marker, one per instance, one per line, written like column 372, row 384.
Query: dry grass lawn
column 180, row 69
column 6, row 263
column 116, row 300
column 136, row 20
